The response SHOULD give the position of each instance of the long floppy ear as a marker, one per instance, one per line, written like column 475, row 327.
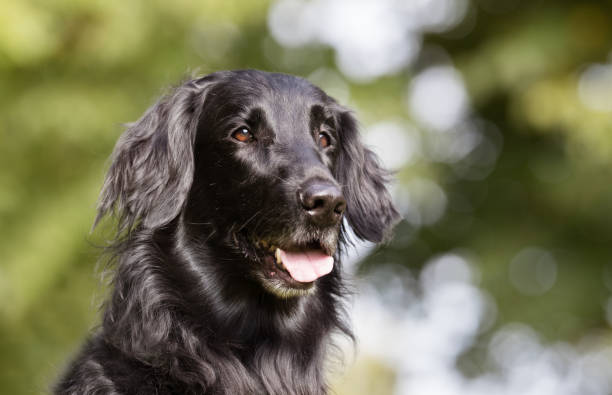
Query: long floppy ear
column 369, row 209
column 152, row 164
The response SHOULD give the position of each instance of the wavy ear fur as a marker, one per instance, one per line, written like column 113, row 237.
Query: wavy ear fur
column 369, row 210
column 152, row 164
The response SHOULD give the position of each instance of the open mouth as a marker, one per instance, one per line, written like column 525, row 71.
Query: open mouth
column 296, row 267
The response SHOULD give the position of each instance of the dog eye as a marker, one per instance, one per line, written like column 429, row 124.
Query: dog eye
column 243, row 135
column 324, row 140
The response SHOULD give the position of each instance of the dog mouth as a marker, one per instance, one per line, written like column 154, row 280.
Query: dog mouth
column 289, row 269
column 289, row 265
column 297, row 265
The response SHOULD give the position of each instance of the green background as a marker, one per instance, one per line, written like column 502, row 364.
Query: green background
column 71, row 72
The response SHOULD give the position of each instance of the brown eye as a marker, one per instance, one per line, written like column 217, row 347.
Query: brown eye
column 324, row 140
column 243, row 135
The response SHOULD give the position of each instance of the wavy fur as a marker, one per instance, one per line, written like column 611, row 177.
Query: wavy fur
column 187, row 313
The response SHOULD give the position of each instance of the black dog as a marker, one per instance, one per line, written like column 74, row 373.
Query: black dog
column 230, row 194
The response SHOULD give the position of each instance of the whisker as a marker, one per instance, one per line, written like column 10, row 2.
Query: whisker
column 250, row 219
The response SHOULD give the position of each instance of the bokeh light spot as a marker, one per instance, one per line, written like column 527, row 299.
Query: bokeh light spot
column 533, row 271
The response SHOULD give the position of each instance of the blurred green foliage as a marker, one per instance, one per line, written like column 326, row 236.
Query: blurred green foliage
column 71, row 71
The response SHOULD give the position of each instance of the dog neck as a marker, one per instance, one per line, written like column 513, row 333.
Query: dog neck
column 246, row 328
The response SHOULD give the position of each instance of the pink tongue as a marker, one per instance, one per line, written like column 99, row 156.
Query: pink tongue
column 307, row 266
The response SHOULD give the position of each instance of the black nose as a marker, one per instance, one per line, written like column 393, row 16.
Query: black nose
column 323, row 201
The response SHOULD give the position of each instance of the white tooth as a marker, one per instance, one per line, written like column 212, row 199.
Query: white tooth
column 277, row 255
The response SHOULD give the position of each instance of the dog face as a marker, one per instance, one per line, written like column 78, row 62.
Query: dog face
column 253, row 165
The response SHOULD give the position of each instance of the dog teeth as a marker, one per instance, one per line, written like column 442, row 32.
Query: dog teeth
column 279, row 260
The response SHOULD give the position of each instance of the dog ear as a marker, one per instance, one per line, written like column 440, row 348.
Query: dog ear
column 152, row 164
column 369, row 209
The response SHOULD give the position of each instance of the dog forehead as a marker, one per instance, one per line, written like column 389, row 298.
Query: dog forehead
column 259, row 85
column 287, row 104
column 287, row 112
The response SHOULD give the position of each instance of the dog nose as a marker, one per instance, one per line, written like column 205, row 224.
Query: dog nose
column 323, row 201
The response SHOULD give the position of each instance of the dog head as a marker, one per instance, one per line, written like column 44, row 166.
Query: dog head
column 252, row 164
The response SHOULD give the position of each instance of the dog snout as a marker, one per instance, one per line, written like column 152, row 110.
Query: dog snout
column 323, row 201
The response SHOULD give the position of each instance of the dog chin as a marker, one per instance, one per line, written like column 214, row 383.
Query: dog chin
column 281, row 289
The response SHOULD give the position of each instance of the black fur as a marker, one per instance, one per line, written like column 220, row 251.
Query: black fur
column 190, row 310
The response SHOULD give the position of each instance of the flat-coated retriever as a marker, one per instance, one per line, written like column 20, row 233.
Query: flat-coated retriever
column 229, row 195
